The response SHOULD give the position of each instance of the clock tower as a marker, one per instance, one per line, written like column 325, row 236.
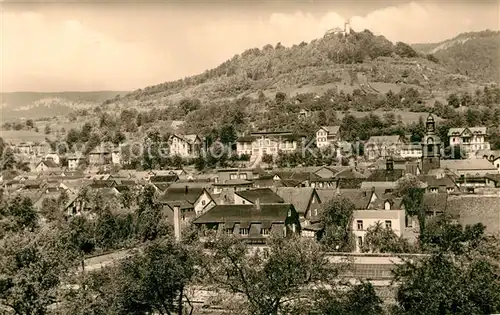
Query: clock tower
column 431, row 147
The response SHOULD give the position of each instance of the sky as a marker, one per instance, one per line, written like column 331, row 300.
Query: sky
column 126, row 45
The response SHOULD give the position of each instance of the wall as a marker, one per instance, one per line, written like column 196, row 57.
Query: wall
column 371, row 217
column 238, row 200
column 203, row 203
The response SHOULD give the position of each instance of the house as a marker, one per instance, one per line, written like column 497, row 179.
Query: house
column 303, row 113
column 392, row 218
column 382, row 146
column 291, row 178
column 251, row 196
column 469, row 184
column 74, row 161
column 232, row 185
column 327, row 136
column 116, row 157
column 496, row 163
column 195, row 198
column 99, row 156
column 411, row 151
column 260, row 143
column 251, row 223
column 223, row 175
column 325, row 171
column 384, row 180
column 305, row 200
column 164, row 178
column 470, row 167
column 46, row 166
column 185, row 145
column 52, row 156
column 439, row 184
column 470, row 139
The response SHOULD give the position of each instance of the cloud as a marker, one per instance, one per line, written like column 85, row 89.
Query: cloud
column 67, row 51
column 121, row 49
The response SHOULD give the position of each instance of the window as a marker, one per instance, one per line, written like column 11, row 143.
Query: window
column 229, row 231
column 387, row 206
column 388, row 224
column 203, row 202
column 243, row 202
column 243, row 176
column 360, row 224
column 264, row 231
column 233, row 176
column 244, row 231
column 293, row 228
column 408, row 222
column 360, row 241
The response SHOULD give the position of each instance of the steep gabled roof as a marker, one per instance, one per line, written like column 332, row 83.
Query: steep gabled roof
column 433, row 181
column 461, row 131
column 359, row 198
column 469, row 164
column 272, row 213
column 385, row 175
column 265, row 195
column 181, row 192
column 384, row 139
column 331, row 129
column 436, row 202
column 164, row 178
column 49, row 163
column 349, row 174
column 299, row 197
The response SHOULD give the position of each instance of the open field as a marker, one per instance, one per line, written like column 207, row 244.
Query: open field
column 17, row 136
column 406, row 116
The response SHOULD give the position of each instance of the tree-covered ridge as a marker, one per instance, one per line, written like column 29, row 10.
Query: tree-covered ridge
column 322, row 61
column 475, row 54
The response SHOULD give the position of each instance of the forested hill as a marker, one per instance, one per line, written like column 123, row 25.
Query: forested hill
column 359, row 60
column 475, row 54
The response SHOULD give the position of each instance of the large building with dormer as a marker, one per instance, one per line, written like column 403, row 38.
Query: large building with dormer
column 470, row 139
column 260, row 143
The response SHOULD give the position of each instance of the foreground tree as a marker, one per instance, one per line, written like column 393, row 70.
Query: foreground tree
column 461, row 276
column 21, row 214
column 269, row 281
column 32, row 267
column 336, row 217
column 150, row 282
column 379, row 239
column 349, row 300
column 443, row 284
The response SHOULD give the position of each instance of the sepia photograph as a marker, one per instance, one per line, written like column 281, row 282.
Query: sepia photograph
column 265, row 157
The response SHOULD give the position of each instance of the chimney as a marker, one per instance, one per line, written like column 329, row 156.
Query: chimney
column 186, row 189
column 177, row 222
column 257, row 204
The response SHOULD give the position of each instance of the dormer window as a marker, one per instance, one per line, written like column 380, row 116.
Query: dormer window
column 244, row 231
column 387, row 205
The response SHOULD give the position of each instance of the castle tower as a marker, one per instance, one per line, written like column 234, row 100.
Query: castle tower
column 347, row 27
column 431, row 147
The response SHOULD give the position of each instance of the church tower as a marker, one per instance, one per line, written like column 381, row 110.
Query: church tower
column 431, row 147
